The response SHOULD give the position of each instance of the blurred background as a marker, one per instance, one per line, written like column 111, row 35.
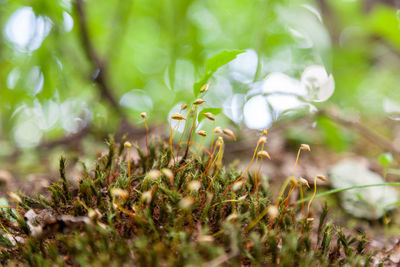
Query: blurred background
column 324, row 72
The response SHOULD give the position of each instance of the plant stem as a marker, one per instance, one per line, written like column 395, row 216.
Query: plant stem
column 301, row 197
column 254, row 222
column 183, row 132
column 219, row 160
column 286, row 201
column 210, row 161
column 294, row 175
column 197, row 152
column 170, row 141
column 2, row 226
column 257, row 172
column 244, row 173
column 312, row 197
column 190, row 132
column 129, row 169
column 283, row 189
column 212, row 136
column 297, row 160
column 147, row 136
column 195, row 143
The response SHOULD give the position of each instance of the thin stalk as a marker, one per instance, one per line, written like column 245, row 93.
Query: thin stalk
column 211, row 149
column 286, row 201
column 129, row 170
column 215, row 159
column 334, row 191
column 212, row 136
column 191, row 132
column 301, row 197
column 147, row 136
column 256, row 179
column 294, row 175
column 184, row 129
column 312, row 197
column 195, row 143
column 173, row 134
column 288, row 180
column 254, row 222
column 244, row 173
column 218, row 164
column 170, row 141
column 210, row 162
column 297, row 160
column 264, row 132
column 257, row 172
column 127, row 212
column 2, row 226
column 197, row 152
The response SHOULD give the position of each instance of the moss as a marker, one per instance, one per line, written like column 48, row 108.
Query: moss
column 164, row 221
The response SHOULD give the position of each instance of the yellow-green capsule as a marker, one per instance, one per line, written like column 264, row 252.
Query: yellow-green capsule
column 230, row 133
column 177, row 116
column 199, row 101
column 209, row 116
column 264, row 154
column 202, row 133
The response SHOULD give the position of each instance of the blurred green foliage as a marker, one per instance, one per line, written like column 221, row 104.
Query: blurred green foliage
column 156, row 51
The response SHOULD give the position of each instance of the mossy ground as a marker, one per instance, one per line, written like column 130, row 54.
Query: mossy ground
column 167, row 220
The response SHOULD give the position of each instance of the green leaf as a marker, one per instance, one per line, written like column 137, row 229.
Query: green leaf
column 385, row 159
column 213, row 64
column 217, row 61
column 214, row 111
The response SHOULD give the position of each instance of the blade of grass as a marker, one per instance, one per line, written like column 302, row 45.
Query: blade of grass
column 334, row 191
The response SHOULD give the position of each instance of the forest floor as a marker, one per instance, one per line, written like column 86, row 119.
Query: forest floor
column 382, row 238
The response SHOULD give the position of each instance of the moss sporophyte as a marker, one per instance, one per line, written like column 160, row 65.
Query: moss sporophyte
column 155, row 210
column 144, row 116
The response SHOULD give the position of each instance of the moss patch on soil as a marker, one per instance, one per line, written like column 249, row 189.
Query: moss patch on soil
column 164, row 215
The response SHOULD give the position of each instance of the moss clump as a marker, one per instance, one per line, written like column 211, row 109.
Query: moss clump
column 167, row 219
